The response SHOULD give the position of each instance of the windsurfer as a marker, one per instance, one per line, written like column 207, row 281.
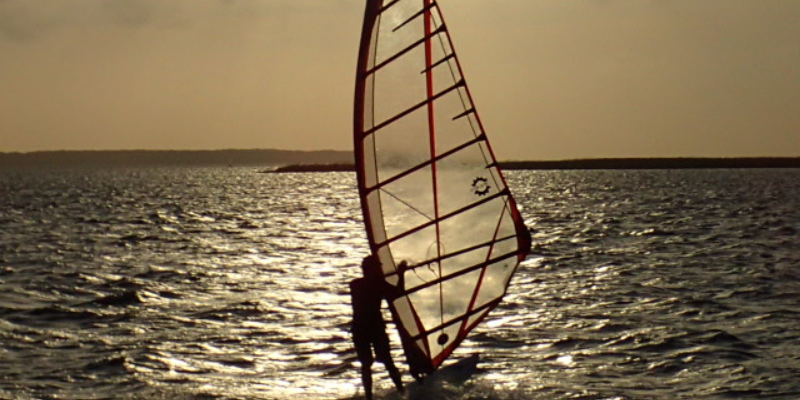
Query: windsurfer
column 368, row 327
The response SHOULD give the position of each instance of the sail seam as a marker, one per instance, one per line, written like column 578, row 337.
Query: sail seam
column 407, row 204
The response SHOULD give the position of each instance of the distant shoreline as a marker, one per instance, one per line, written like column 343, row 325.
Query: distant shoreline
column 272, row 160
column 186, row 158
column 599, row 163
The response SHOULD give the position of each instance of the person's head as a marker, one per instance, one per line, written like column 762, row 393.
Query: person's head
column 371, row 267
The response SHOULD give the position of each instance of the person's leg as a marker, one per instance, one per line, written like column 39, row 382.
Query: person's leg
column 364, row 354
column 395, row 375
column 366, row 380
column 383, row 355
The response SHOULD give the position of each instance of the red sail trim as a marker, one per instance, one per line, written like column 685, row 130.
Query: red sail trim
column 515, row 213
column 368, row 31
column 410, row 347
column 438, row 360
column 453, row 321
column 432, row 135
column 432, row 141
column 483, row 273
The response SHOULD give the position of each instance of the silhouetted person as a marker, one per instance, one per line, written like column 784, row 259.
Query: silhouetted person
column 368, row 328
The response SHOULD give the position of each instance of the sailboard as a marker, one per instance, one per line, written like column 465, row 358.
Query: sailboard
column 437, row 210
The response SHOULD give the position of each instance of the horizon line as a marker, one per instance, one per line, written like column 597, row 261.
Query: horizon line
column 35, row 152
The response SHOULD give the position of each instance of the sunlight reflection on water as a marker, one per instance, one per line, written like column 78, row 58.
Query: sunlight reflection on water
column 225, row 283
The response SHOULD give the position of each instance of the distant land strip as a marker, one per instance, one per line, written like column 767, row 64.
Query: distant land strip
column 156, row 158
column 273, row 160
column 598, row 163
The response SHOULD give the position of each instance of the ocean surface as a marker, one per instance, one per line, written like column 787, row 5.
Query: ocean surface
column 225, row 283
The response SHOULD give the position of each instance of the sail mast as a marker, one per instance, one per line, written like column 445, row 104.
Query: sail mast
column 359, row 107
column 432, row 136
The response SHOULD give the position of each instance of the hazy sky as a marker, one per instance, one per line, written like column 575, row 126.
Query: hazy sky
column 552, row 79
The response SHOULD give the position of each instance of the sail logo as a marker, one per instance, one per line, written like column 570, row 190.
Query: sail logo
column 480, row 186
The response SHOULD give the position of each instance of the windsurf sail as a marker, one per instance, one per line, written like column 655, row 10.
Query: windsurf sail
column 437, row 210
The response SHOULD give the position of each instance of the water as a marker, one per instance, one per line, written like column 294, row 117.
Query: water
column 214, row 283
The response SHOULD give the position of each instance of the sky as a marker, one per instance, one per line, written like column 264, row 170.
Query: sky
column 551, row 79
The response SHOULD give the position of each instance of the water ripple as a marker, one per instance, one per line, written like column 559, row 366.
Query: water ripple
column 229, row 284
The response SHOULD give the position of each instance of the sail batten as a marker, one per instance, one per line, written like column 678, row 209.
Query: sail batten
column 415, row 16
column 434, row 221
column 460, row 319
column 426, row 163
column 464, row 114
column 461, row 272
column 388, row 5
column 453, row 254
column 438, row 63
column 405, row 51
column 416, row 107
column 437, row 210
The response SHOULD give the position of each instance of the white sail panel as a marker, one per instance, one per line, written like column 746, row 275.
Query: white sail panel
column 438, row 212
